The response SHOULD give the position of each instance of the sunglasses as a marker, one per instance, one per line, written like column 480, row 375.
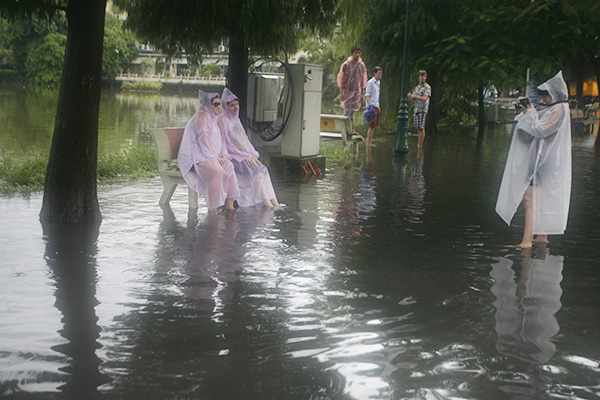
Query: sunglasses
column 216, row 104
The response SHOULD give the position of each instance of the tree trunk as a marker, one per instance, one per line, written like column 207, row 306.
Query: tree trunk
column 237, row 76
column 70, row 194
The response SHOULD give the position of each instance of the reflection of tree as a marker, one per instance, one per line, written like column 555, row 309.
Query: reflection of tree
column 527, row 298
column 70, row 254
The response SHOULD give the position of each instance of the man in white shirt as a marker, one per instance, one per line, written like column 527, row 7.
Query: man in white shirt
column 372, row 98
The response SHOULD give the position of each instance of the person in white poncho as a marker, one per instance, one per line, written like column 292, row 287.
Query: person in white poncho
column 538, row 167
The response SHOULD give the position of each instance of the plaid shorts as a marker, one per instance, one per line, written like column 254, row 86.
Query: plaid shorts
column 419, row 120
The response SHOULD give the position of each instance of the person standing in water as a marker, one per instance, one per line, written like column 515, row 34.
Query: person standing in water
column 538, row 167
column 420, row 95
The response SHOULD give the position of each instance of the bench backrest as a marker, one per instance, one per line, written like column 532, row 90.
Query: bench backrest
column 167, row 141
column 335, row 123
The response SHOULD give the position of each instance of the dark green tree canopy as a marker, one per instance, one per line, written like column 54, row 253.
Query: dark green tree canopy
column 264, row 26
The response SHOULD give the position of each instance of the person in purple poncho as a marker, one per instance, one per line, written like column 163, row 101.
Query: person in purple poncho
column 252, row 176
column 203, row 158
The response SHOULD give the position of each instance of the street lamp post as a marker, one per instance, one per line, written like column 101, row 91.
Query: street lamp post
column 401, row 146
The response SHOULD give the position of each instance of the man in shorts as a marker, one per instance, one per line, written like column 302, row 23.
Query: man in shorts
column 420, row 95
column 372, row 98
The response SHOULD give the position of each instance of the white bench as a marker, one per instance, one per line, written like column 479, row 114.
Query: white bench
column 339, row 127
column 167, row 141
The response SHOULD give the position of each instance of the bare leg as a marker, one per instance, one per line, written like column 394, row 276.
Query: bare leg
column 421, row 137
column 528, row 231
column 370, row 136
column 541, row 239
column 229, row 204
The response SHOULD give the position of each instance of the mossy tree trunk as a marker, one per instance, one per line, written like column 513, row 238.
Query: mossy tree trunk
column 237, row 78
column 70, row 194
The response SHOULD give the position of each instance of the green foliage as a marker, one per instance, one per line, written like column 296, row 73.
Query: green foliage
column 26, row 173
column 210, row 70
column 119, row 47
column 142, row 85
column 17, row 37
column 322, row 51
column 266, row 27
column 147, row 66
column 45, row 61
column 20, row 38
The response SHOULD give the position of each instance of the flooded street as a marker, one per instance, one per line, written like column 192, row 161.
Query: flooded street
column 387, row 279
column 383, row 278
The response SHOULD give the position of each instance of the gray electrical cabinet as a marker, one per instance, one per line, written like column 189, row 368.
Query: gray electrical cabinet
column 300, row 137
column 263, row 96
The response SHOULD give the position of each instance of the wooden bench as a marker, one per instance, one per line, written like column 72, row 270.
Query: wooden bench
column 167, row 141
column 339, row 127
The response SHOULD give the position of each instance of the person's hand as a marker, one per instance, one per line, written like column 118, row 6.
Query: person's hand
column 409, row 95
column 524, row 103
column 251, row 160
column 222, row 159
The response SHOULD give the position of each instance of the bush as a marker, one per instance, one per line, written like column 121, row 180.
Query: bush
column 142, row 86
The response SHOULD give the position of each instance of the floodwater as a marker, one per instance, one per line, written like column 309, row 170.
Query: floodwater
column 382, row 279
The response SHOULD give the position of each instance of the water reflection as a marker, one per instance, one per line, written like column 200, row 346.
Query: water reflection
column 417, row 189
column 367, row 193
column 527, row 298
column 70, row 255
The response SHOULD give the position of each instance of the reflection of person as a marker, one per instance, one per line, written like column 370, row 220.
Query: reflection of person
column 538, row 167
column 203, row 156
column 527, row 299
column 372, row 98
column 352, row 80
column 252, row 176
column 420, row 95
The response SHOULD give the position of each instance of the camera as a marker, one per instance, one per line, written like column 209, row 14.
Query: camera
column 523, row 101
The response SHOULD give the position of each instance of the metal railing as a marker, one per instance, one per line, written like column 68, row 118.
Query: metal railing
column 162, row 78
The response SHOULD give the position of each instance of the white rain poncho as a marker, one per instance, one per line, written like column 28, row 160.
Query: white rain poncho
column 254, row 180
column 540, row 156
column 199, row 154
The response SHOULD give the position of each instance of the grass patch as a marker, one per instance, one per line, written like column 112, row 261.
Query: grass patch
column 335, row 153
column 138, row 162
column 22, row 173
column 26, row 173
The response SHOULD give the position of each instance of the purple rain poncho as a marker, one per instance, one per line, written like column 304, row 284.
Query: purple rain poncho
column 254, row 180
column 352, row 81
column 199, row 154
column 540, row 156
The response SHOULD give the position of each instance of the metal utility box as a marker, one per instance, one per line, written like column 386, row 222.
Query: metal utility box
column 300, row 137
column 263, row 95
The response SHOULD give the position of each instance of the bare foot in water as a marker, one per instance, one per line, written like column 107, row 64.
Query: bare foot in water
column 520, row 246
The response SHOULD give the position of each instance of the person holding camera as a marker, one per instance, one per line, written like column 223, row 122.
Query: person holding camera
column 538, row 167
